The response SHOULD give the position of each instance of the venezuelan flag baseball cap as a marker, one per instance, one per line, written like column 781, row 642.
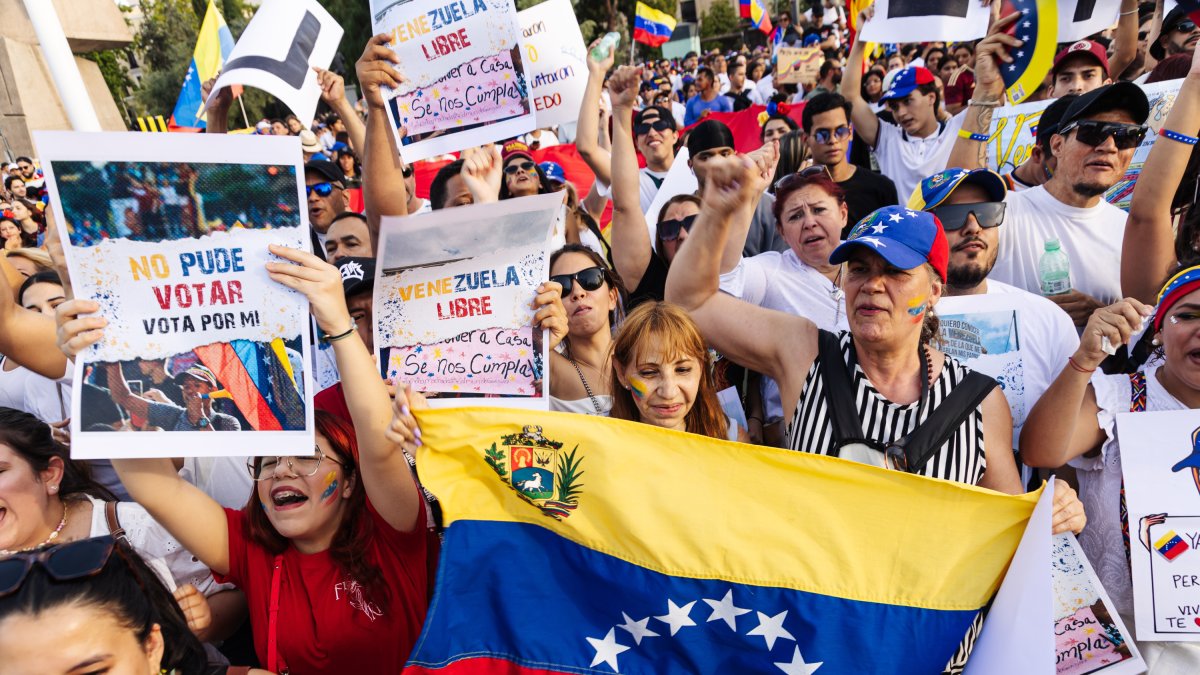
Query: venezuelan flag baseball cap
column 904, row 237
column 906, row 81
column 935, row 189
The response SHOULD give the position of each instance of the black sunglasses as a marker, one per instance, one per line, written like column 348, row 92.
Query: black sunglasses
column 1186, row 26
column 668, row 230
column 954, row 216
column 65, row 562
column 513, row 168
column 1094, row 133
column 589, row 279
column 660, row 125
column 823, row 136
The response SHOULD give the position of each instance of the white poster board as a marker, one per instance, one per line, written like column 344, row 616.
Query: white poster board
column 1079, row 19
column 169, row 236
column 466, row 78
column 277, row 53
column 1159, row 456
column 679, row 181
column 453, row 301
column 556, row 60
column 926, row 21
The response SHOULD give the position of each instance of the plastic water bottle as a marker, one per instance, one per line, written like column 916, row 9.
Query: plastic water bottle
column 1054, row 269
column 607, row 43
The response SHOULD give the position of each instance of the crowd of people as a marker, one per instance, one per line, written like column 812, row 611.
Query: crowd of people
column 808, row 274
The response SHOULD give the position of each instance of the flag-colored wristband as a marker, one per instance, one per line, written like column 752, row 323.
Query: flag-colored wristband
column 1178, row 137
column 982, row 138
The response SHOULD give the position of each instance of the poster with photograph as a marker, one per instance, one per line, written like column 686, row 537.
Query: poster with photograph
column 1160, row 460
column 1089, row 636
column 984, row 333
column 556, row 59
column 169, row 236
column 453, row 306
column 467, row 82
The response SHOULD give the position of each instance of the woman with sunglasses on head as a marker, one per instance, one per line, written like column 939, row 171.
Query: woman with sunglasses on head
column 336, row 535
column 580, row 377
column 522, row 176
column 1075, row 422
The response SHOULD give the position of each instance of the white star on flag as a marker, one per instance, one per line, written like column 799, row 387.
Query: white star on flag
column 878, row 229
column 724, row 610
column 607, row 649
column 911, row 213
column 638, row 629
column 1027, row 25
column 771, row 628
column 798, row 666
column 874, row 241
column 677, row 617
column 895, row 217
column 1012, row 68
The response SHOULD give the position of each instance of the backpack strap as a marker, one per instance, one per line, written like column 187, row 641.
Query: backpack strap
column 945, row 419
column 114, row 523
column 838, row 392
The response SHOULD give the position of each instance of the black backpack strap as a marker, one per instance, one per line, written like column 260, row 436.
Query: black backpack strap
column 945, row 419
column 839, row 391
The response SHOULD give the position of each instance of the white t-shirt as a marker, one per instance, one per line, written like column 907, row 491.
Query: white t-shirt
column 225, row 479
column 22, row 389
column 648, row 185
column 908, row 160
column 1091, row 238
column 766, row 87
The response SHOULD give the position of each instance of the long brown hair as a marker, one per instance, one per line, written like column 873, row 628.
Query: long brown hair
column 610, row 277
column 677, row 335
column 356, row 529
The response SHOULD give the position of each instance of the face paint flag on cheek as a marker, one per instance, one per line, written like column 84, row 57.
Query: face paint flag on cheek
column 331, row 486
column 639, row 388
column 1038, row 28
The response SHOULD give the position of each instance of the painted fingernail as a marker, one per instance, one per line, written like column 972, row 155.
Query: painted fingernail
column 404, row 409
column 417, row 432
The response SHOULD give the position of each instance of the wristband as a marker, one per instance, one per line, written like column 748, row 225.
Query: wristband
column 1132, row 11
column 984, row 104
column 1178, row 137
column 1076, row 366
column 341, row 336
column 982, row 138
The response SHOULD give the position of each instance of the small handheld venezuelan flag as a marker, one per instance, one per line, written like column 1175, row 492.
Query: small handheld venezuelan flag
column 1170, row 546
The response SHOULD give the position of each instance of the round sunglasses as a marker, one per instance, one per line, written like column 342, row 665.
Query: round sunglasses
column 589, row 279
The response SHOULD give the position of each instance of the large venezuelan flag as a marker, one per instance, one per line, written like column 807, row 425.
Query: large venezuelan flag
column 213, row 46
column 1039, row 29
column 651, row 26
column 579, row 544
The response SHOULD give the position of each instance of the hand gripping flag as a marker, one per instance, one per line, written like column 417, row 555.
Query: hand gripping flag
column 579, row 544
column 212, row 48
column 1038, row 28
column 652, row 27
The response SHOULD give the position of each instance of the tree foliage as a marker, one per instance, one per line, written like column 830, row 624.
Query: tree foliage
column 720, row 19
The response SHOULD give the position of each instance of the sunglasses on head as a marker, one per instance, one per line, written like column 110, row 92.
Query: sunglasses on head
column 668, row 230
column 513, row 168
column 954, row 216
column 1094, row 133
column 589, row 280
column 660, row 125
column 824, row 136
column 322, row 189
column 65, row 562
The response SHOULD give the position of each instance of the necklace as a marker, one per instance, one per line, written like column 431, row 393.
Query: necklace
column 53, row 535
column 586, row 387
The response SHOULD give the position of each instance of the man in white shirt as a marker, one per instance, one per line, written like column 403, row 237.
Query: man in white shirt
column 971, row 207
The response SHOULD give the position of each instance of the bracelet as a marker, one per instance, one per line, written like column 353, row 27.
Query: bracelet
column 1132, row 11
column 1077, row 367
column 341, row 336
column 1178, row 137
column 982, row 138
column 985, row 104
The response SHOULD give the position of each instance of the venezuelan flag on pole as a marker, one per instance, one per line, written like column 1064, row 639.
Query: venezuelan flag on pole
column 1038, row 27
column 581, row 544
column 651, row 26
column 759, row 17
column 212, row 48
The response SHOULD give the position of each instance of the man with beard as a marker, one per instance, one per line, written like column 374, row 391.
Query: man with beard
column 971, row 208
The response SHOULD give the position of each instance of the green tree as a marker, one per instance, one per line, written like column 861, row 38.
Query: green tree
column 354, row 16
column 718, row 24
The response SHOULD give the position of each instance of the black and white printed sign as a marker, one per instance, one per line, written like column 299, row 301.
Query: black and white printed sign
column 926, row 20
column 1078, row 19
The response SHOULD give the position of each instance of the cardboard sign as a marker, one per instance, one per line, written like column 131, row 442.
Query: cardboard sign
column 277, row 53
column 799, row 65
column 170, row 237
column 556, row 59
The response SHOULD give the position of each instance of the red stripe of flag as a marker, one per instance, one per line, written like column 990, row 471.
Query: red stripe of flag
column 220, row 358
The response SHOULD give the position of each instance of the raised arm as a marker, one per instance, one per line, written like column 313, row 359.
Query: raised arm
column 587, row 134
column 384, row 193
column 780, row 345
column 765, row 159
column 631, row 247
column 119, row 388
column 1063, row 425
column 216, row 117
column 864, row 119
column 1148, row 250
column 1126, row 38
column 382, row 467
column 992, row 52
column 24, row 335
column 333, row 92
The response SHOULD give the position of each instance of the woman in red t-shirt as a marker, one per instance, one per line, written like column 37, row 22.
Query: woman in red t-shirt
column 330, row 551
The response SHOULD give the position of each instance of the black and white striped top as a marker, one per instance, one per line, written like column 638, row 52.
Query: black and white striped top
column 960, row 459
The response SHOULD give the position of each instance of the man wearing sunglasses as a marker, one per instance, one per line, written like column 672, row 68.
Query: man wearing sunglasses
column 971, row 207
column 1179, row 34
column 826, row 131
column 327, row 198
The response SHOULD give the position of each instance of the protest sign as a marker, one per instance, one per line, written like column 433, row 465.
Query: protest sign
column 680, row 180
column 1079, row 19
column 1162, row 97
column 798, row 65
column 170, row 237
column 277, row 53
column 926, row 21
column 453, row 300
column 1160, row 460
column 556, row 59
column 467, row 83
column 1089, row 635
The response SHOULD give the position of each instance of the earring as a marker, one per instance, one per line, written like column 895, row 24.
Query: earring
column 53, row 489
column 1157, row 341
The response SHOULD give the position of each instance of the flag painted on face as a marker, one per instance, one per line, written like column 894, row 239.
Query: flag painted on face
column 592, row 545
column 651, row 26
column 1038, row 28
column 212, row 48
column 1170, row 545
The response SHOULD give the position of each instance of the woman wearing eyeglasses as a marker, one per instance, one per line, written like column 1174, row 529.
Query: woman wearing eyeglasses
column 336, row 535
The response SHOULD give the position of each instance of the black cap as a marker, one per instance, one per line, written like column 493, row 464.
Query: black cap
column 709, row 135
column 1048, row 123
column 326, row 169
column 1125, row 96
column 1172, row 19
column 662, row 113
column 358, row 275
